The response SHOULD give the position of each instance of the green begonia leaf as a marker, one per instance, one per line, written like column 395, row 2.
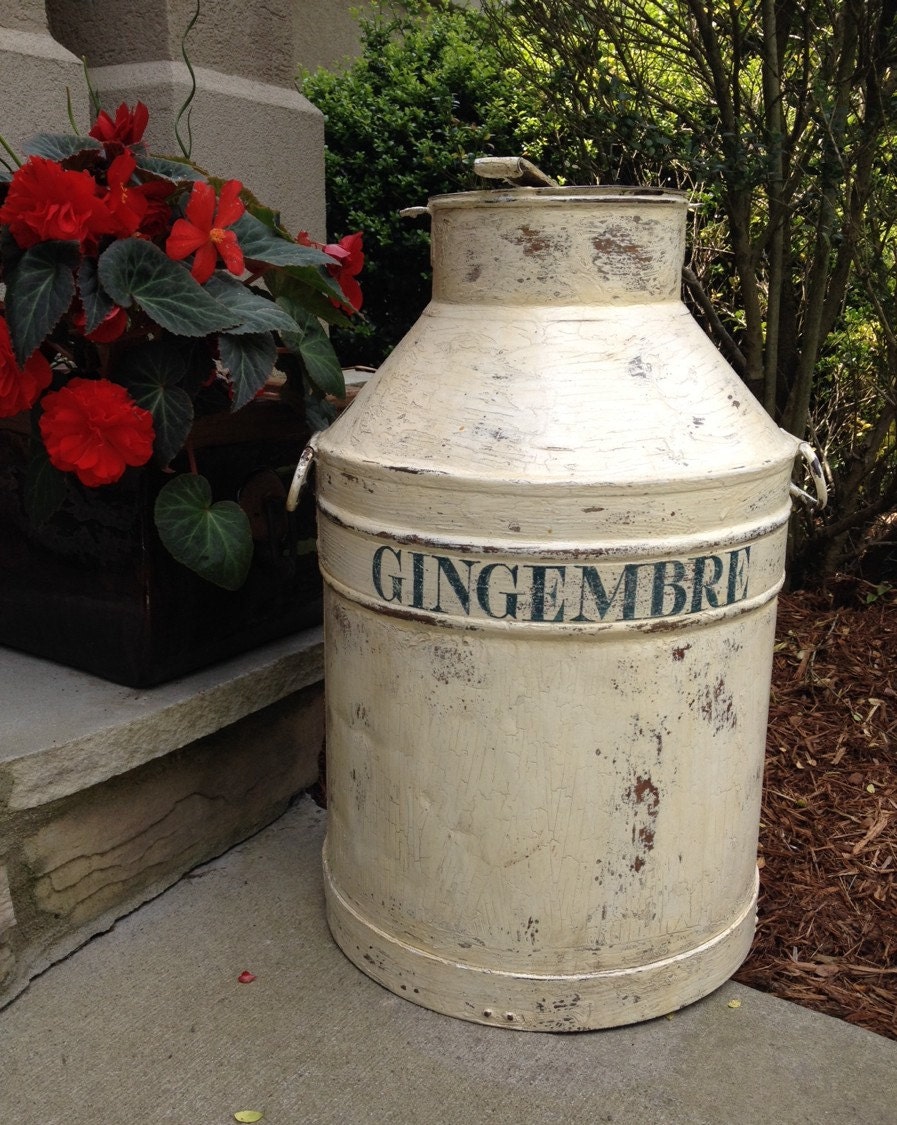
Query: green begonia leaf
column 249, row 361
column 133, row 271
column 311, row 288
column 212, row 539
column 39, row 290
column 260, row 244
column 97, row 303
column 153, row 374
column 45, row 487
column 170, row 169
column 58, row 146
column 312, row 344
column 255, row 312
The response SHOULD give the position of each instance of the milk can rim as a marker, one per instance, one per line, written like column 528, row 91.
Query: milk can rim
column 582, row 194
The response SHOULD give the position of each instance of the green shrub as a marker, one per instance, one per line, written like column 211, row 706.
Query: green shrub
column 405, row 122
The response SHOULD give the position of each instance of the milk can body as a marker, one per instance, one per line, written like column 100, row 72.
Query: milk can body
column 552, row 532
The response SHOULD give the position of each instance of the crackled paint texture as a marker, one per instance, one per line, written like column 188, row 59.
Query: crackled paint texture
column 552, row 530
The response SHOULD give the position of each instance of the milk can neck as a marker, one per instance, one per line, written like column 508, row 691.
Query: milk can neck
column 558, row 246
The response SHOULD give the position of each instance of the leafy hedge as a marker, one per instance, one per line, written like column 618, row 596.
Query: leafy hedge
column 405, row 122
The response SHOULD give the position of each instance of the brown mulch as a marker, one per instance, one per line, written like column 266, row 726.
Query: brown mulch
column 827, row 934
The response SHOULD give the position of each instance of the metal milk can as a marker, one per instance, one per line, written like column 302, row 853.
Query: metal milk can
column 552, row 531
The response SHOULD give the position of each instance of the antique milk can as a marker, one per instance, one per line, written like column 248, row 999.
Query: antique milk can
column 552, row 532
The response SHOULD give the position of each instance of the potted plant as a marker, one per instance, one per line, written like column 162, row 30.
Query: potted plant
column 161, row 349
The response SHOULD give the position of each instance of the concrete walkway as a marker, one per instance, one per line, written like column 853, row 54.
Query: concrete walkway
column 148, row 1023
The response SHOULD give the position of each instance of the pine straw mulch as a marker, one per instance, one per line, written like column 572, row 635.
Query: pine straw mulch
column 827, row 934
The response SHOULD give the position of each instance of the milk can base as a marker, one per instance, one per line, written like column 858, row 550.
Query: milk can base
column 576, row 1002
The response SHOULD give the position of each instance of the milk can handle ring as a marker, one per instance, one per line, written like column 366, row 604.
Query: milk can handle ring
column 811, row 460
column 300, row 476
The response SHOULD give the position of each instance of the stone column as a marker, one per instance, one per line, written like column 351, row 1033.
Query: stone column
column 34, row 73
column 248, row 121
column 327, row 32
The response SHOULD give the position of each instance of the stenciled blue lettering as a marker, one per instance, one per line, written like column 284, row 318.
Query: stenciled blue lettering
column 546, row 593
column 705, row 587
column 377, row 575
column 484, row 593
column 417, row 580
column 537, row 604
column 448, row 570
column 737, row 585
column 663, row 582
column 591, row 582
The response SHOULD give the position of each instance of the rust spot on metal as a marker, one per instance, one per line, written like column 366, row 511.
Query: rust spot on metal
column 533, row 241
column 645, row 792
column 718, row 706
column 410, row 615
column 566, row 1003
column 451, row 664
column 672, row 625
column 615, row 243
column 645, row 795
column 342, row 620
column 679, row 653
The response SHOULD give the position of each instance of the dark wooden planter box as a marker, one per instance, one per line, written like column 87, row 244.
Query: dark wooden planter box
column 95, row 589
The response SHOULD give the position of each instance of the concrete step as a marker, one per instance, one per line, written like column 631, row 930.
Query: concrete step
column 109, row 794
column 148, row 1023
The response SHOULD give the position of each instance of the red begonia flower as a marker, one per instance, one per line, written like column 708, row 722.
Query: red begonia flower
column 351, row 261
column 127, row 128
column 204, row 230
column 20, row 387
column 94, row 429
column 110, row 327
column 348, row 264
column 137, row 208
column 46, row 201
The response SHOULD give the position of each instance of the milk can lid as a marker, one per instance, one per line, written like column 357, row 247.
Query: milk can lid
column 529, row 183
column 575, row 194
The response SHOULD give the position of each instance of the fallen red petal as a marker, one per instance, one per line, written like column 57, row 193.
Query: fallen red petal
column 246, row 977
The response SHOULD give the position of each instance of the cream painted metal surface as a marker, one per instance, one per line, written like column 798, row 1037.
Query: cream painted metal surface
column 552, row 529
